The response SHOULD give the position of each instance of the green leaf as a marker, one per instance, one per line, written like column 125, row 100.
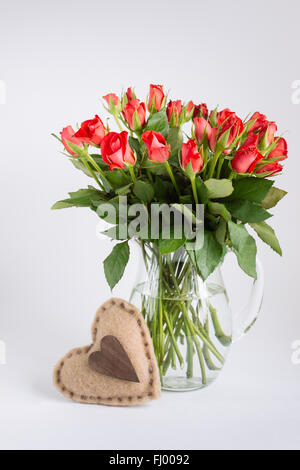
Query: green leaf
column 247, row 211
column 187, row 213
column 221, row 143
column 154, row 167
column 175, row 139
column 124, row 190
column 116, row 178
column 112, row 211
column 201, row 190
column 273, row 197
column 162, row 189
column 251, row 189
column 158, row 122
column 221, row 231
column 143, row 191
column 244, row 247
column 212, row 118
column 80, row 198
column 114, row 233
column 218, row 188
column 219, row 209
column 208, row 258
column 267, row 235
column 115, row 263
column 135, row 146
column 168, row 246
column 80, row 166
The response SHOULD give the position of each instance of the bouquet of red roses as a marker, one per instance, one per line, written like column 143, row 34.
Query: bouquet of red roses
column 225, row 164
column 180, row 155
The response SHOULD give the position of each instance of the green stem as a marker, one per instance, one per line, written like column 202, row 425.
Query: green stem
column 220, row 164
column 84, row 161
column 173, row 340
column 189, row 352
column 193, row 182
column 169, row 170
column 224, row 339
column 97, row 168
column 160, row 320
column 131, row 171
column 204, row 339
column 149, row 176
column 201, row 360
column 213, row 164
column 118, row 123
column 206, row 353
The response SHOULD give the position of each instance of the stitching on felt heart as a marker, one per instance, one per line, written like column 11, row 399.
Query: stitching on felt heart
column 86, row 350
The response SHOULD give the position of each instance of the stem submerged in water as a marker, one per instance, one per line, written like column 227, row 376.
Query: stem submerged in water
column 174, row 314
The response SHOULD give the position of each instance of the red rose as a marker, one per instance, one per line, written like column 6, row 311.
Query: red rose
column 130, row 95
column 226, row 119
column 190, row 154
column 116, row 151
column 247, row 156
column 202, row 126
column 267, row 132
column 135, row 114
column 91, row 131
column 156, row 145
column 274, row 168
column 260, row 119
column 67, row 134
column 156, row 97
column 190, row 107
column 201, row 110
column 174, row 108
column 280, row 150
column 111, row 96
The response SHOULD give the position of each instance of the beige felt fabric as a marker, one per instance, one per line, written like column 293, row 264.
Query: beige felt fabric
column 75, row 379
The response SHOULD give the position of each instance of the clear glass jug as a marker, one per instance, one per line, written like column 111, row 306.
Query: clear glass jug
column 190, row 321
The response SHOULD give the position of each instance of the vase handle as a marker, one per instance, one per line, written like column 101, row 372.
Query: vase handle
column 244, row 320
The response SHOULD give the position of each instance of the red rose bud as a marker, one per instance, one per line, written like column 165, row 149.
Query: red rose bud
column 247, row 156
column 156, row 98
column 259, row 122
column 135, row 114
column 201, row 110
column 270, row 168
column 227, row 121
column 280, row 150
column 116, row 151
column 266, row 134
column 113, row 102
column 190, row 107
column 190, row 154
column 67, row 134
column 187, row 112
column 91, row 131
column 130, row 95
column 156, row 145
column 174, row 109
column 202, row 128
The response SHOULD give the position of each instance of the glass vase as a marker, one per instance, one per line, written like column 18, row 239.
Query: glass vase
column 190, row 321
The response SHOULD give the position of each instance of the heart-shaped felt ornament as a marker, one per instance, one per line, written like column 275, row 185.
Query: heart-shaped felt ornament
column 119, row 368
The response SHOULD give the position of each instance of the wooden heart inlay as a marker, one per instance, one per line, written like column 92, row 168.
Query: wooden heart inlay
column 112, row 360
column 119, row 367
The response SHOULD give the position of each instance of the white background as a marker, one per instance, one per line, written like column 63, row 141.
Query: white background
column 57, row 59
